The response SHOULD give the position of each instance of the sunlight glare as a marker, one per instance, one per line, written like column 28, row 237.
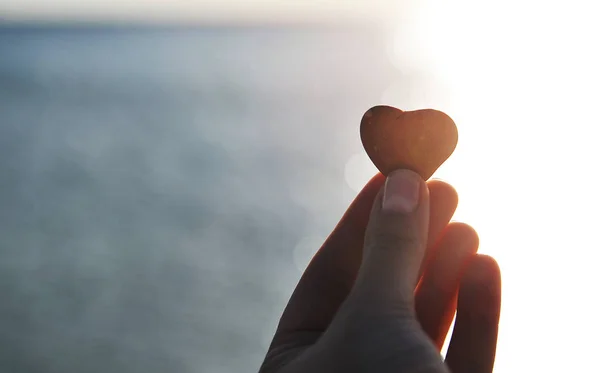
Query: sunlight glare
column 523, row 81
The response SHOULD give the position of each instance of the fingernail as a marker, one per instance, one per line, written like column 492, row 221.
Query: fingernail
column 401, row 191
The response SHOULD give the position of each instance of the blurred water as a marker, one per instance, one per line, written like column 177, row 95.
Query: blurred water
column 160, row 189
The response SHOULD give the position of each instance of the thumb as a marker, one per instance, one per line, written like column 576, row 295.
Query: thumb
column 395, row 242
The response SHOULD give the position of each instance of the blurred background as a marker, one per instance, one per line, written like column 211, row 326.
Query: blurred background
column 167, row 169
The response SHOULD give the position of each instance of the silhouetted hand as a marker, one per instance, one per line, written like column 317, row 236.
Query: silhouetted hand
column 380, row 294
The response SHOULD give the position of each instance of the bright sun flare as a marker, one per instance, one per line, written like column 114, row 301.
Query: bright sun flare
column 521, row 82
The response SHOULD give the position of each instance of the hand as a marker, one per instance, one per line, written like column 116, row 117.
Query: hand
column 380, row 294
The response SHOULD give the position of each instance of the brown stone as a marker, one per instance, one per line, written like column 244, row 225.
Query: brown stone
column 418, row 140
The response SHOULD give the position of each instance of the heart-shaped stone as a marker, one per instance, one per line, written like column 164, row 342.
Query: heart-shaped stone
column 418, row 140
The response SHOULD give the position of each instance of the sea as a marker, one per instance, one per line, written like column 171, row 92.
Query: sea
column 162, row 189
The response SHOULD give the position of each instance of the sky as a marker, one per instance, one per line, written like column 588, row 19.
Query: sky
column 194, row 10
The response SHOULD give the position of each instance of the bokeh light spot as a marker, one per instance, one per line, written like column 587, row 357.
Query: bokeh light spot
column 359, row 170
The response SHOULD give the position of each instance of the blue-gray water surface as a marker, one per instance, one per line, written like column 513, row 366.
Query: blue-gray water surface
column 158, row 188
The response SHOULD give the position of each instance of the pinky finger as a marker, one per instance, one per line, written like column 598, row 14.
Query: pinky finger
column 473, row 345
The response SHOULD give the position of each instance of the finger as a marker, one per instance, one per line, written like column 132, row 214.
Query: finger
column 473, row 345
column 395, row 243
column 435, row 297
column 443, row 200
column 330, row 275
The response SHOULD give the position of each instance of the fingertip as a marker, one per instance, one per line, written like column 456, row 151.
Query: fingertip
column 404, row 191
column 463, row 235
column 436, row 295
column 443, row 200
column 483, row 268
column 376, row 182
column 480, row 288
column 443, row 191
column 443, row 187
